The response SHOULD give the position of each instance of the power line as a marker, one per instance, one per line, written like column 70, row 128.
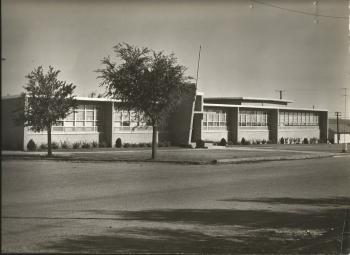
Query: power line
column 300, row 12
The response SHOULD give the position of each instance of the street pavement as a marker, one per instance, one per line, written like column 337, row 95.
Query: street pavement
column 118, row 207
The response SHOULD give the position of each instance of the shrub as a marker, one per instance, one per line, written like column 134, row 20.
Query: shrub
column 86, row 145
column 186, row 145
column 149, row 144
column 269, row 142
column 143, row 144
column 314, row 140
column 223, row 142
column 167, row 143
column 200, row 144
column 134, row 145
column 306, row 141
column 229, row 143
column 55, row 145
column 31, row 146
column 282, row 140
column 243, row 141
column 102, row 144
column 118, row 143
column 94, row 144
column 65, row 145
column 247, row 143
column 126, row 145
column 76, row 145
column 263, row 141
column 43, row 146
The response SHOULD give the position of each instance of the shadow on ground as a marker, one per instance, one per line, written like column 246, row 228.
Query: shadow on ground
column 213, row 231
column 336, row 201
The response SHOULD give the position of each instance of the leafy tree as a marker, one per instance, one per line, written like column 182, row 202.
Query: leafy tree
column 47, row 100
column 147, row 82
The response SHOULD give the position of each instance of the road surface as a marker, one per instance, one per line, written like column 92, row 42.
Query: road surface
column 278, row 207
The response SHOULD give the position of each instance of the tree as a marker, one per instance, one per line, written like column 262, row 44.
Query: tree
column 147, row 82
column 47, row 101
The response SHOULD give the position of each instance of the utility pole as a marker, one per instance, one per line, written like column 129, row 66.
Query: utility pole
column 281, row 92
column 345, row 149
column 338, row 136
column 199, row 58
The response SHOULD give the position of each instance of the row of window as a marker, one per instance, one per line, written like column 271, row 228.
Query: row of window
column 253, row 118
column 85, row 118
column 298, row 119
column 249, row 118
column 214, row 120
column 128, row 120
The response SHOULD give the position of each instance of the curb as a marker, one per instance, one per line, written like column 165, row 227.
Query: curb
column 272, row 158
column 209, row 162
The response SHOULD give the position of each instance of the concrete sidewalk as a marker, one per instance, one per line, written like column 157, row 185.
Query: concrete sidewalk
column 218, row 155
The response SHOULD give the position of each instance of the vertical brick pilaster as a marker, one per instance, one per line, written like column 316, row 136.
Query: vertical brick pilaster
column 273, row 125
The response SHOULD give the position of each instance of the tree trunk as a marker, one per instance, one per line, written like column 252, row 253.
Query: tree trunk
column 49, row 148
column 154, row 142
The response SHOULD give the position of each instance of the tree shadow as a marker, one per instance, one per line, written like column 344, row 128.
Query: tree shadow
column 334, row 201
column 259, row 232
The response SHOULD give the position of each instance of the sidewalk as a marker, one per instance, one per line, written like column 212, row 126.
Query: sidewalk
column 218, row 155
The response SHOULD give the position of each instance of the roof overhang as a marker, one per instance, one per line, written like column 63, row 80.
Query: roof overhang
column 262, row 107
column 251, row 99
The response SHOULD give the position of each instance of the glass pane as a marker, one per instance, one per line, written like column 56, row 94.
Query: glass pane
column 79, row 115
column 89, row 115
column 70, row 116
column 58, row 123
column 125, row 115
column 69, row 123
column 79, row 123
column 126, row 123
column 89, row 123
column 118, row 116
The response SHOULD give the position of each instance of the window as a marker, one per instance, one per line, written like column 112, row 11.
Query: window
column 214, row 120
column 86, row 118
column 298, row 118
column 128, row 121
column 252, row 118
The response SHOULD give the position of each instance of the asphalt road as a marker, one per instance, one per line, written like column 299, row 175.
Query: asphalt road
column 282, row 207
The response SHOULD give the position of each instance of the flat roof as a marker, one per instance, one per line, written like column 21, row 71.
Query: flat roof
column 263, row 107
column 94, row 99
column 251, row 99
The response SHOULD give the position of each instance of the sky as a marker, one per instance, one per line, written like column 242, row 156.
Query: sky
column 246, row 51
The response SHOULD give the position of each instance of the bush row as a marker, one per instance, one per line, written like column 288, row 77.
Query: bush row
column 32, row 146
column 243, row 141
column 293, row 140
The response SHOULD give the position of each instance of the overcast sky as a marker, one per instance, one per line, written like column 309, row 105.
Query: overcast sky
column 245, row 51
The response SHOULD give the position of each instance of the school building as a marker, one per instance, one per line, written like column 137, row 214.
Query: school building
column 196, row 118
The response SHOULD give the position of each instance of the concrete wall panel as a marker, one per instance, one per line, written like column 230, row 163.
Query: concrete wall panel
column 215, row 136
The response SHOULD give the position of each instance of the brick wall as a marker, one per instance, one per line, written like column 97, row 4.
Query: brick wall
column 299, row 132
column 41, row 138
column 214, row 136
column 253, row 133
